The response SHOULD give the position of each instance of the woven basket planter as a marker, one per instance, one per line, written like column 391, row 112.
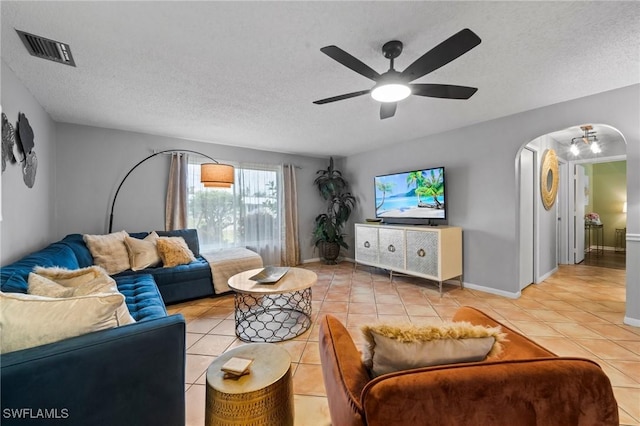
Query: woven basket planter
column 329, row 252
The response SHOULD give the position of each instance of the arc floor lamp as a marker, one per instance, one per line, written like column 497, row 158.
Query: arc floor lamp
column 212, row 175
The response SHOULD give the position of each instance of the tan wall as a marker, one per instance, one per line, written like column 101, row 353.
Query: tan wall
column 608, row 193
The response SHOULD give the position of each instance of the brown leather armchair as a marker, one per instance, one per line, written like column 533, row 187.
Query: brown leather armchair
column 524, row 385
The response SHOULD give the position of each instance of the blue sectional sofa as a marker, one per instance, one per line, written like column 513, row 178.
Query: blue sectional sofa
column 129, row 375
column 177, row 284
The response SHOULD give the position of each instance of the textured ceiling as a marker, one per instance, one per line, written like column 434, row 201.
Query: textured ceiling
column 246, row 73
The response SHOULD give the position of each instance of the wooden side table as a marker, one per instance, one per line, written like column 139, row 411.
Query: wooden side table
column 264, row 397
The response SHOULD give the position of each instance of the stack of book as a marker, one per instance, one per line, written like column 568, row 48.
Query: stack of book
column 236, row 367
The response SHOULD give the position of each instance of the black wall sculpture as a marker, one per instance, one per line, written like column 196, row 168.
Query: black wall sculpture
column 19, row 146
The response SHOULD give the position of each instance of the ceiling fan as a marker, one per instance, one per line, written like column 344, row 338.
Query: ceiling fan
column 393, row 86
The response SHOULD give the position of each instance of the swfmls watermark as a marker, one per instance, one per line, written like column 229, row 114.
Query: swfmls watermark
column 35, row 413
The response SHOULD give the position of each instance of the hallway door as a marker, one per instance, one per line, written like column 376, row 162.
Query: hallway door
column 563, row 214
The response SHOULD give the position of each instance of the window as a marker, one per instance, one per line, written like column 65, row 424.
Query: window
column 248, row 214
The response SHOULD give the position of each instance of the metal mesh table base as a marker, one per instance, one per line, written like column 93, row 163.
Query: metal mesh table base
column 272, row 317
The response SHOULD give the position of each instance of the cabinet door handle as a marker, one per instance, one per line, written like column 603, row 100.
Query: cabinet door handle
column 421, row 253
column 391, row 248
column 366, row 244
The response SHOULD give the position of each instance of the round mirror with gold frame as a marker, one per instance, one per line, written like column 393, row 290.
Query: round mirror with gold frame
column 549, row 178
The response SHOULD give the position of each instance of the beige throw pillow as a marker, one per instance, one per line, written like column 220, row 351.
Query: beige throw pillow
column 63, row 283
column 143, row 253
column 402, row 347
column 174, row 251
column 28, row 320
column 109, row 251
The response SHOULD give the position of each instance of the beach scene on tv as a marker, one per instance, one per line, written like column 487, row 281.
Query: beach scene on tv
column 417, row 194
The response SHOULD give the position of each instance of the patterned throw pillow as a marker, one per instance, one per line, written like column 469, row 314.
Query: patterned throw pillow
column 109, row 251
column 402, row 347
column 174, row 251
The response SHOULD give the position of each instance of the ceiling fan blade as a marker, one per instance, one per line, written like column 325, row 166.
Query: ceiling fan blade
column 453, row 47
column 341, row 97
column 443, row 91
column 387, row 109
column 349, row 61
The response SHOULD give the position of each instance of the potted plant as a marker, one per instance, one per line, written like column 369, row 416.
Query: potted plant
column 328, row 235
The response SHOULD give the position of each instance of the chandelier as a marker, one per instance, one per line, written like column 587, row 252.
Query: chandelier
column 589, row 138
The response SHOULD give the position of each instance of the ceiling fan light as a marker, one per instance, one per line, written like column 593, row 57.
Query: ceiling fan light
column 595, row 148
column 390, row 92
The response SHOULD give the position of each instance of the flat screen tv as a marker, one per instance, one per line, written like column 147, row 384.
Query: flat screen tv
column 406, row 196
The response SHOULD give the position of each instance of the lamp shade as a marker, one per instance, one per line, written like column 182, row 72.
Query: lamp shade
column 216, row 185
column 214, row 173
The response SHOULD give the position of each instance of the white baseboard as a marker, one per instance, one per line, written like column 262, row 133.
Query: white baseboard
column 547, row 275
column 312, row 260
column 635, row 322
column 490, row 290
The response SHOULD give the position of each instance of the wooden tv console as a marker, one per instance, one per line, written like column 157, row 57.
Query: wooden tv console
column 432, row 252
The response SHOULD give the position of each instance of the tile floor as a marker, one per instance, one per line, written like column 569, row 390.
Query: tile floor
column 576, row 312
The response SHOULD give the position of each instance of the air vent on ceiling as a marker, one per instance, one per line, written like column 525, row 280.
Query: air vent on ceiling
column 47, row 49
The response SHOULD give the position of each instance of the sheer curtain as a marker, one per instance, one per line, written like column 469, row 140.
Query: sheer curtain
column 176, row 203
column 291, row 245
column 259, row 190
column 249, row 214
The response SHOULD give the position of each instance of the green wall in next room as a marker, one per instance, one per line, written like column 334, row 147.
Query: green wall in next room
column 608, row 194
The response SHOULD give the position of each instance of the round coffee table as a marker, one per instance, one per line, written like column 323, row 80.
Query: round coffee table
column 272, row 312
column 262, row 397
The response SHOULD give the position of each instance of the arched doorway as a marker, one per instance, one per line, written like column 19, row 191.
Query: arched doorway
column 548, row 237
